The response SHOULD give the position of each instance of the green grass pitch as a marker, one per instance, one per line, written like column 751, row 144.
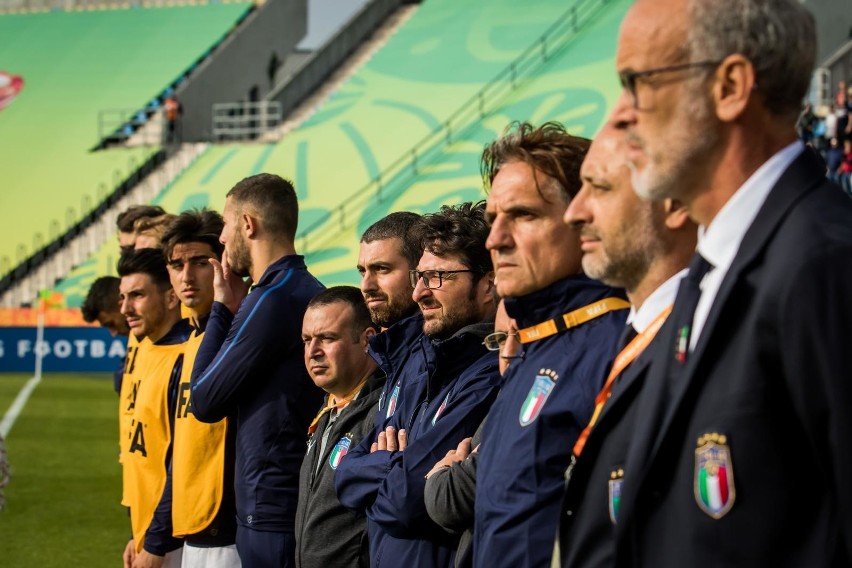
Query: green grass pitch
column 62, row 505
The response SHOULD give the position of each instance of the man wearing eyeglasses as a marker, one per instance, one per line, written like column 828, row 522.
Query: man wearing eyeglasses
column 742, row 457
column 451, row 381
column 643, row 247
column 568, row 327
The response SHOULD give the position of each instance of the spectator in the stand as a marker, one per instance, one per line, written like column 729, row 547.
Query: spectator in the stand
column 127, row 219
column 149, row 231
column 833, row 160
column 102, row 305
column 806, row 124
column 846, row 167
column 172, row 111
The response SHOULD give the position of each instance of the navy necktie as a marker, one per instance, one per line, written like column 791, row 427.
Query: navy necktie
column 686, row 301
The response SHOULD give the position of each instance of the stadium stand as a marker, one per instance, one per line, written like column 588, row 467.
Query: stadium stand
column 72, row 65
column 435, row 64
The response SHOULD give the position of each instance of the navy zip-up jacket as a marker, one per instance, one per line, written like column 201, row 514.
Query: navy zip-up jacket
column 250, row 368
column 546, row 400
column 391, row 350
column 449, row 387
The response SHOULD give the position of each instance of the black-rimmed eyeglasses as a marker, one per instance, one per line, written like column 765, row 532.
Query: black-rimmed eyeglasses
column 628, row 78
column 432, row 279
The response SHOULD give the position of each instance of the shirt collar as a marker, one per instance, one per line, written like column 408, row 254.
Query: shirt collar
column 654, row 304
column 719, row 242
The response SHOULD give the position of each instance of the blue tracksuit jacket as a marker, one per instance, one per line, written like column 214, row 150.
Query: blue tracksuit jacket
column 449, row 387
column 391, row 350
column 250, row 367
column 546, row 400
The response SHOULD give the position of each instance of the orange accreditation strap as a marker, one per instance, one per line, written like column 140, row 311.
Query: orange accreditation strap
column 333, row 404
column 571, row 319
column 627, row 355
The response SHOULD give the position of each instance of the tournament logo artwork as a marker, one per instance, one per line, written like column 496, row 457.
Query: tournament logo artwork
column 440, row 409
column 10, row 86
column 392, row 402
column 541, row 389
column 340, row 450
column 714, row 475
column 616, row 481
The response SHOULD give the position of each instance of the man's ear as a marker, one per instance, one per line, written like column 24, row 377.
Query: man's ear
column 677, row 215
column 249, row 224
column 735, row 85
column 172, row 300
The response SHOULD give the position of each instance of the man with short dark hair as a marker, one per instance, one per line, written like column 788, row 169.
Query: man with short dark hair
column 335, row 333
column 389, row 250
column 568, row 326
column 450, row 380
column 202, row 477
column 101, row 305
column 148, row 402
column 250, row 367
column 742, row 455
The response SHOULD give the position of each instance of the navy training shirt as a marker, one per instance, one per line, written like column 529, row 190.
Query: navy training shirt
column 250, row 368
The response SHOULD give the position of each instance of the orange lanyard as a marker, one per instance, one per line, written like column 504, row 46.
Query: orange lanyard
column 571, row 319
column 627, row 356
column 334, row 404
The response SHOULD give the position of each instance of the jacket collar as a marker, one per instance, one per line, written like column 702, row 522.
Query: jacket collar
column 559, row 298
column 286, row 262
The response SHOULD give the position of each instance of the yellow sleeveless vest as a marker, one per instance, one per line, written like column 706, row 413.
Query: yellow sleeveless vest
column 127, row 396
column 149, row 435
column 198, row 459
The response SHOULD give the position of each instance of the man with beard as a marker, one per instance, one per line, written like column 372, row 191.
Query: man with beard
column 741, row 457
column 451, row 381
column 644, row 248
column 389, row 251
column 568, row 326
column 249, row 367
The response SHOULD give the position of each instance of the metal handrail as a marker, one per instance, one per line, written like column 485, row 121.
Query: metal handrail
column 472, row 110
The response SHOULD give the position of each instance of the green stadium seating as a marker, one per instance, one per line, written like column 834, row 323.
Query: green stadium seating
column 438, row 60
column 75, row 64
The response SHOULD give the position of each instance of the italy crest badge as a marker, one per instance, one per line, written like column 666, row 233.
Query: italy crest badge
column 392, row 402
column 340, row 450
column 540, row 390
column 714, row 475
column 616, row 481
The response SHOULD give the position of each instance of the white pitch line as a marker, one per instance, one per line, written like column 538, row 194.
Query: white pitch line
column 17, row 406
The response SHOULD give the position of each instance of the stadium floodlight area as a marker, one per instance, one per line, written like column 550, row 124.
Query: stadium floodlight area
column 433, row 66
column 66, row 66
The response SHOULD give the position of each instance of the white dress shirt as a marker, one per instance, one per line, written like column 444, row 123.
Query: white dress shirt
column 719, row 242
column 655, row 303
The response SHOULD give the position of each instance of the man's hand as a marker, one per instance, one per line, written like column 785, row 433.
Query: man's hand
column 228, row 288
column 129, row 554
column 453, row 456
column 147, row 560
column 390, row 440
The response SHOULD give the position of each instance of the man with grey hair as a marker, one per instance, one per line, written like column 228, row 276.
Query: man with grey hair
column 742, row 450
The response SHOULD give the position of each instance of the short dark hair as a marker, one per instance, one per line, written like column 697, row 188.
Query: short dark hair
column 127, row 218
column 146, row 261
column 273, row 199
column 194, row 226
column 549, row 149
column 351, row 296
column 397, row 225
column 102, row 297
column 459, row 230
